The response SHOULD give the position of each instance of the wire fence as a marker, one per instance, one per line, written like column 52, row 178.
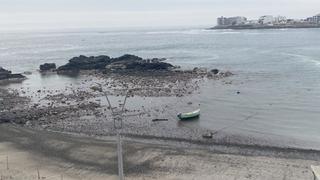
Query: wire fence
column 11, row 167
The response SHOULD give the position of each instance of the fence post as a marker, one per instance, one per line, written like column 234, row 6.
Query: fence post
column 7, row 162
column 38, row 173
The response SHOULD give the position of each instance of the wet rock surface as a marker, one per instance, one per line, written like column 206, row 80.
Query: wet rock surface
column 7, row 75
column 122, row 63
column 4, row 71
column 48, row 67
column 134, row 63
column 85, row 63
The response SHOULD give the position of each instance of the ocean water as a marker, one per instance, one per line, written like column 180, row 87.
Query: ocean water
column 276, row 71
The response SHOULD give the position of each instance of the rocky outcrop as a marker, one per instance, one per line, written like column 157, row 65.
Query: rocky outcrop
column 48, row 67
column 131, row 62
column 125, row 62
column 6, row 75
column 86, row 63
column 4, row 71
column 127, row 58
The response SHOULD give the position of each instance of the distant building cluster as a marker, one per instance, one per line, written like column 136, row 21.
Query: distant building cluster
column 315, row 19
column 266, row 20
column 232, row 20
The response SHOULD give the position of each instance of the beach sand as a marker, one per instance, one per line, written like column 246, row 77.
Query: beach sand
column 65, row 156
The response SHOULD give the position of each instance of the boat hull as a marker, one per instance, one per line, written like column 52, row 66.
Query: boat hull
column 190, row 115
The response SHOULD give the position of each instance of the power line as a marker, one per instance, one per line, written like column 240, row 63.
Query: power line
column 117, row 118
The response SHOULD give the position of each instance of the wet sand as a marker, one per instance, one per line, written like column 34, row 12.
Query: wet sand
column 40, row 118
column 82, row 157
column 78, row 108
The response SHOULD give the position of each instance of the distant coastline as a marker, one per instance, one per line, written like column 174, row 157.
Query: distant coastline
column 266, row 22
column 265, row 27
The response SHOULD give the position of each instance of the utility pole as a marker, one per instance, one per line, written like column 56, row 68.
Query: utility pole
column 120, row 157
column 117, row 124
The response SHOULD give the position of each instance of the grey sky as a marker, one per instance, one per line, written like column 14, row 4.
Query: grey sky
column 128, row 13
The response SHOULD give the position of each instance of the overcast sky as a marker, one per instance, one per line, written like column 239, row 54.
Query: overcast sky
column 145, row 13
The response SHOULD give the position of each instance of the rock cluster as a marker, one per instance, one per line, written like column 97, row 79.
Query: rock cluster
column 5, row 75
column 4, row 71
column 48, row 67
column 85, row 63
column 125, row 62
column 130, row 62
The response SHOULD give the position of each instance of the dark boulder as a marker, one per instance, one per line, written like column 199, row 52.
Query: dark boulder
column 6, row 75
column 215, row 71
column 48, row 67
column 4, row 71
column 86, row 63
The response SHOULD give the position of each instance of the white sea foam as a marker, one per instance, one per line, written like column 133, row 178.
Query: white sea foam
column 4, row 48
column 7, row 54
column 304, row 58
column 193, row 31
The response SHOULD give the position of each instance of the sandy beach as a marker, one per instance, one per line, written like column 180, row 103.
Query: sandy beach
column 66, row 156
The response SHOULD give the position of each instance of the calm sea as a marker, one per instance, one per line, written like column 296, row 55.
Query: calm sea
column 277, row 71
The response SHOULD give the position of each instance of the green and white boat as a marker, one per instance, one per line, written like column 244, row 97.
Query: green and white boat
column 189, row 115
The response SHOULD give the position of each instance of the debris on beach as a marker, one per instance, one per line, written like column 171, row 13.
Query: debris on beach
column 208, row 135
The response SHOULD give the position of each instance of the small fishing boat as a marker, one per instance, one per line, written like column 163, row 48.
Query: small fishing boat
column 189, row 115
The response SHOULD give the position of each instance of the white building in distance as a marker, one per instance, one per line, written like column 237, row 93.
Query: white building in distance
column 266, row 20
column 315, row 19
column 280, row 20
column 231, row 21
